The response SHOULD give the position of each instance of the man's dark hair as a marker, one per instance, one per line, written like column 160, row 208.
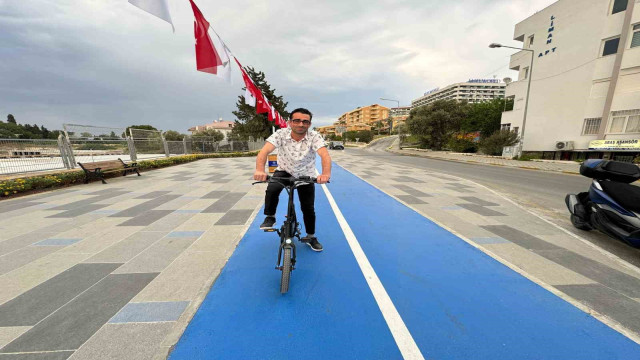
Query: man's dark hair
column 302, row 111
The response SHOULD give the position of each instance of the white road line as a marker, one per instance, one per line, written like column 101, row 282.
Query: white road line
column 399, row 330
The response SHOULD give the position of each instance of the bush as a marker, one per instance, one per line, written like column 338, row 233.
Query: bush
column 462, row 145
column 636, row 160
column 493, row 144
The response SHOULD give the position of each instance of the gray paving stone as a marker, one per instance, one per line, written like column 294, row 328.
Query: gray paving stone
column 17, row 204
column 225, row 203
column 128, row 248
column 34, row 305
column 171, row 221
column 406, row 179
column 235, row 217
column 90, row 201
column 215, row 194
column 21, row 241
column 146, row 218
column 58, row 355
column 195, row 234
column 109, row 191
column 24, row 256
column 158, row 256
column 411, row 200
column 616, row 306
column 520, row 238
column 133, row 341
column 616, row 280
column 78, row 211
column 458, row 189
column 73, row 324
column 152, row 195
column 150, row 312
column 411, row 191
column 475, row 200
column 145, row 206
column 478, row 209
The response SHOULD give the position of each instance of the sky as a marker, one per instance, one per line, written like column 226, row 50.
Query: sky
column 108, row 63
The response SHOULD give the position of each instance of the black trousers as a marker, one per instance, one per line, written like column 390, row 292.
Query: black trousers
column 306, row 195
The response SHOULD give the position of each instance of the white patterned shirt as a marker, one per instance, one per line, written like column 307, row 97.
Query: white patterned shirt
column 298, row 158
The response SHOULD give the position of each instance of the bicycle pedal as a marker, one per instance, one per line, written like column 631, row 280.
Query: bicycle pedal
column 269, row 230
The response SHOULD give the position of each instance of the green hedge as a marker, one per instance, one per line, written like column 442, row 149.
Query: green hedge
column 50, row 181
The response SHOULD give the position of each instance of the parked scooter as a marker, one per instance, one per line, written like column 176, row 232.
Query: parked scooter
column 612, row 204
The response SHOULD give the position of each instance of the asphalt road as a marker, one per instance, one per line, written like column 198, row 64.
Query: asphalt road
column 541, row 192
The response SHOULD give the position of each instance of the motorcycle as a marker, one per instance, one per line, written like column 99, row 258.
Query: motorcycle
column 612, row 204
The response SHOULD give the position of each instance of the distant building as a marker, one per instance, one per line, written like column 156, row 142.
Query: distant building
column 584, row 100
column 472, row 91
column 399, row 115
column 223, row 126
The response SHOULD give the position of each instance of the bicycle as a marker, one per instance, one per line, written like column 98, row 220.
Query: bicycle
column 289, row 230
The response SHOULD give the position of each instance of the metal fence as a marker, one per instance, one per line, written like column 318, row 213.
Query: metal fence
column 25, row 155
column 31, row 155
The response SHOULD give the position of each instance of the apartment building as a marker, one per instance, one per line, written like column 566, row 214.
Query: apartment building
column 363, row 118
column 584, row 100
column 472, row 91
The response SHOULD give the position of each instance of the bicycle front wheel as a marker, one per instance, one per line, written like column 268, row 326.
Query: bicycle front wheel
column 286, row 271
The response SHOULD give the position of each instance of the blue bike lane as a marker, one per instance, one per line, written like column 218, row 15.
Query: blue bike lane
column 456, row 302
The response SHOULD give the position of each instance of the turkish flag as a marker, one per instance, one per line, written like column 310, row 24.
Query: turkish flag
column 207, row 58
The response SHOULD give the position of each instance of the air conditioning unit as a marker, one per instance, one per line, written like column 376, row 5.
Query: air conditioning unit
column 564, row 145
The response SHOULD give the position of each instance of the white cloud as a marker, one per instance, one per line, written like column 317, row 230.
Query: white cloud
column 109, row 63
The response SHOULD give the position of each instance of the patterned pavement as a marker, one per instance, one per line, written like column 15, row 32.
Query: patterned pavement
column 117, row 271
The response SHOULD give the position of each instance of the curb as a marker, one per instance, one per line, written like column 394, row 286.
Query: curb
column 483, row 163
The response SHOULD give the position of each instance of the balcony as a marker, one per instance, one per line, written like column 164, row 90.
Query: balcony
column 521, row 58
column 517, row 88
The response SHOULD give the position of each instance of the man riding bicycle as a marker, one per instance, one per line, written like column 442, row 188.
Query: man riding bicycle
column 297, row 147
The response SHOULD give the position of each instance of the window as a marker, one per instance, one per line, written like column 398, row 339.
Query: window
column 626, row 121
column 531, row 41
column 619, row 6
column 591, row 126
column 505, row 126
column 525, row 73
column 635, row 40
column 515, row 129
column 633, row 124
column 610, row 46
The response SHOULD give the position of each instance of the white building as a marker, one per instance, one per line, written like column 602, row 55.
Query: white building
column 473, row 91
column 584, row 100
column 223, row 126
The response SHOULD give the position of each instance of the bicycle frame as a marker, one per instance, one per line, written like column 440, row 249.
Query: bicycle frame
column 290, row 229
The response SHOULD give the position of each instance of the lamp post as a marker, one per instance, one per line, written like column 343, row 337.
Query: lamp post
column 526, row 101
column 391, row 126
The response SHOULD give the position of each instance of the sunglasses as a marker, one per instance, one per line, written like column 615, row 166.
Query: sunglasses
column 298, row 121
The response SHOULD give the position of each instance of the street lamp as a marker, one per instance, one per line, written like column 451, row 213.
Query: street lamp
column 526, row 101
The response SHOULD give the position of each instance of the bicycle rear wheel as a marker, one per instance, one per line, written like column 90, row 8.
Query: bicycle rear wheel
column 286, row 271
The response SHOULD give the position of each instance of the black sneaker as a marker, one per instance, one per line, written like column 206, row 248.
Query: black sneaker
column 268, row 223
column 313, row 243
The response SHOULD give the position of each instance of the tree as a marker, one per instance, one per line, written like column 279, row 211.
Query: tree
column 248, row 123
column 11, row 119
column 492, row 145
column 172, row 135
column 435, row 123
column 484, row 117
column 211, row 133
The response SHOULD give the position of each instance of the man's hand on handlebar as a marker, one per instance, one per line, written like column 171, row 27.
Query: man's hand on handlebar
column 322, row 179
column 260, row 175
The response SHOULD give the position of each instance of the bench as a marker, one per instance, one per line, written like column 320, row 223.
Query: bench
column 96, row 170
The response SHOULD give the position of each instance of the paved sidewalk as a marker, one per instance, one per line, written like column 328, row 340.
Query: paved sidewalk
column 559, row 166
column 117, row 271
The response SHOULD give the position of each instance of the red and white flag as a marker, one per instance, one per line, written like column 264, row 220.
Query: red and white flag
column 207, row 58
column 252, row 92
column 158, row 8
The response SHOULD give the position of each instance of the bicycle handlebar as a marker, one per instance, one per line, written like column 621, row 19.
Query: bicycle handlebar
column 293, row 180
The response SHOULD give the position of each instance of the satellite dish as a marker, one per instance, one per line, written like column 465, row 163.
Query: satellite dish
column 507, row 80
